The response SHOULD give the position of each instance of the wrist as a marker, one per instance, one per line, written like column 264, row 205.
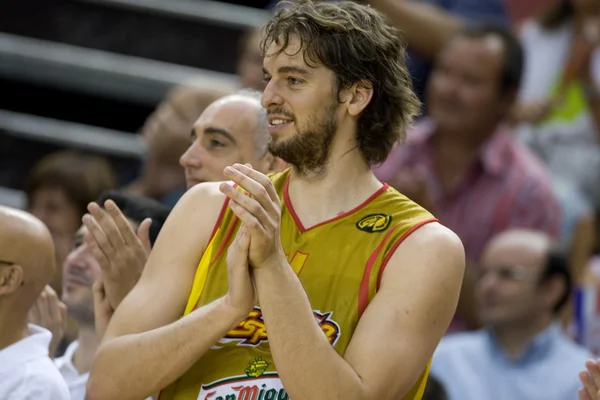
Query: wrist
column 232, row 313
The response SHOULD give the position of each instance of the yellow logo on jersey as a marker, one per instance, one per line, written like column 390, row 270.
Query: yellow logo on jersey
column 374, row 223
column 257, row 367
column 252, row 330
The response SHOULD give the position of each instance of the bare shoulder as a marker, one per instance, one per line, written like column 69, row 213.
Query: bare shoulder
column 431, row 249
column 186, row 232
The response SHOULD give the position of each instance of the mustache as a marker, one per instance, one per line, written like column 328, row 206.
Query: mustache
column 280, row 111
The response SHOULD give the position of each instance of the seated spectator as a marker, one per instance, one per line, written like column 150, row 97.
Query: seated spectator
column 82, row 270
column 522, row 352
column 441, row 20
column 26, row 266
column 59, row 188
column 558, row 110
column 462, row 163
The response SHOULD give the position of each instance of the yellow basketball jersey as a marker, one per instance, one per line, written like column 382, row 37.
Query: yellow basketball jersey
column 339, row 262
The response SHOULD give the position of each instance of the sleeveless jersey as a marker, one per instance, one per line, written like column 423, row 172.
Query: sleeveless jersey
column 339, row 263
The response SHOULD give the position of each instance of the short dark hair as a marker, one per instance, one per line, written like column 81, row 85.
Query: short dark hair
column 512, row 66
column 355, row 42
column 138, row 208
column 558, row 265
column 82, row 177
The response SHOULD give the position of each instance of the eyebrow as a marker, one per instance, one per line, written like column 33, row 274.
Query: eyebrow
column 287, row 69
column 211, row 130
column 6, row 262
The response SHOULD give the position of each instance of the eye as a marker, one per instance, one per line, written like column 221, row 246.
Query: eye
column 294, row 81
column 266, row 79
column 216, row 144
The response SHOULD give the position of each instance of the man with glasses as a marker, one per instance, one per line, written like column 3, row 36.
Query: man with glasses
column 26, row 267
column 522, row 352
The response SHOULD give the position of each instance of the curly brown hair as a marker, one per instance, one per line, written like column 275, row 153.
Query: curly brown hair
column 357, row 44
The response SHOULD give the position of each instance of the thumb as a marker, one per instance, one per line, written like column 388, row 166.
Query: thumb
column 143, row 234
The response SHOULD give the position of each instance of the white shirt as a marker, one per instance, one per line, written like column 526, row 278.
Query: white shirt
column 75, row 381
column 26, row 371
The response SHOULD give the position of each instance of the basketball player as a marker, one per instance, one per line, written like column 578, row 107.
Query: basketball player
column 356, row 284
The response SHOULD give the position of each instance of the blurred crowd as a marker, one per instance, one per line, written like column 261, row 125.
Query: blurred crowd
column 506, row 154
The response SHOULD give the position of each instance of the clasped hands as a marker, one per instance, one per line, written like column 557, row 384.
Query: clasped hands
column 257, row 244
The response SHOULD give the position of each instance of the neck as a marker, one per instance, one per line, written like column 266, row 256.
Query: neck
column 515, row 338
column 346, row 182
column 88, row 344
column 464, row 141
column 14, row 325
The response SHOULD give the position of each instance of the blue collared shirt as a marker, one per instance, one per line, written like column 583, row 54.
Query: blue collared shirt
column 472, row 366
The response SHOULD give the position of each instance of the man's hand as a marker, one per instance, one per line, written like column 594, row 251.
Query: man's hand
column 240, row 295
column 50, row 313
column 591, row 381
column 259, row 211
column 412, row 183
column 122, row 255
column 102, row 309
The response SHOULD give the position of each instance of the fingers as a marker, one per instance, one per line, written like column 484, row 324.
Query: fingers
column 143, row 234
column 119, row 221
column 91, row 242
column 97, row 238
column 588, row 385
column 583, row 395
column 256, row 184
column 594, row 371
column 253, row 225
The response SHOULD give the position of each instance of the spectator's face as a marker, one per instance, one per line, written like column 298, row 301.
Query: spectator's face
column 250, row 63
column 80, row 270
column 55, row 209
column 508, row 288
column 463, row 93
column 226, row 133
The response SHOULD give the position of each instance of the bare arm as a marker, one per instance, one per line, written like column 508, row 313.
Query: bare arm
column 414, row 18
column 146, row 346
column 395, row 337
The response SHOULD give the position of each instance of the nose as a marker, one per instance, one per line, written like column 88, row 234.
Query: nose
column 75, row 259
column 271, row 96
column 192, row 158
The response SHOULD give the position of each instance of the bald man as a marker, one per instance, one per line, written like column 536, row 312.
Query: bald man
column 26, row 267
column 232, row 129
column 522, row 352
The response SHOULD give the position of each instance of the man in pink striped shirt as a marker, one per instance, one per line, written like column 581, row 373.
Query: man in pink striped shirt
column 462, row 162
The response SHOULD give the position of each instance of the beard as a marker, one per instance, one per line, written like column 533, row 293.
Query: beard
column 82, row 311
column 308, row 149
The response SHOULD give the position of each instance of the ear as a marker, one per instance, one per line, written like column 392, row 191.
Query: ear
column 11, row 278
column 554, row 290
column 358, row 97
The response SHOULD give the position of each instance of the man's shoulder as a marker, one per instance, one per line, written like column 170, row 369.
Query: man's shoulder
column 41, row 379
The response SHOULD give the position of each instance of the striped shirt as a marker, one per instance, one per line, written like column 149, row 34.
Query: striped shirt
column 504, row 187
